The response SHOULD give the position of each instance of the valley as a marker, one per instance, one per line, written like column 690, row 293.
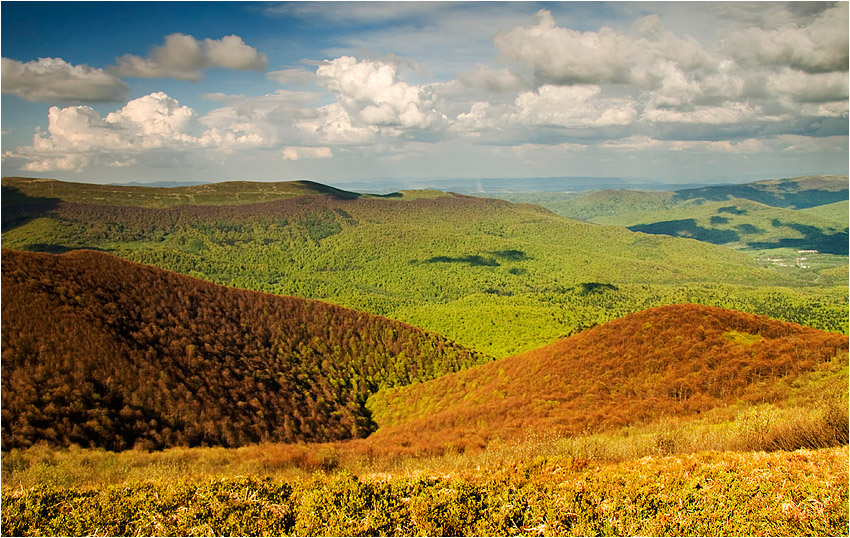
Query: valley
column 291, row 358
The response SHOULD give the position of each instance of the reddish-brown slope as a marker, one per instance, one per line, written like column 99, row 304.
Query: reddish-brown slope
column 104, row 352
column 671, row 360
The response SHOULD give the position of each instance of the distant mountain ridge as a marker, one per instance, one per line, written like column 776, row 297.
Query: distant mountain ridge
column 28, row 191
column 98, row 351
column 767, row 214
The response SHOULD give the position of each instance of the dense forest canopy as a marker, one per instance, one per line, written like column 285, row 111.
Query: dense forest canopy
column 98, row 351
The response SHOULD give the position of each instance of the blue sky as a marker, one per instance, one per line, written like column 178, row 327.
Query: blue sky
column 348, row 91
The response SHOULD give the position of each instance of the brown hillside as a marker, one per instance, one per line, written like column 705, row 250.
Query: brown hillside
column 99, row 351
column 667, row 361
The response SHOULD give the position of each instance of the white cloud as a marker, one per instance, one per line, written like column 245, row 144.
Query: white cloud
column 640, row 143
column 808, row 88
column 486, row 78
column 78, row 136
column 332, row 124
column 54, row 79
column 815, row 46
column 371, row 92
column 531, row 151
column 558, row 55
column 293, row 153
column 572, row 107
column 183, row 57
column 729, row 113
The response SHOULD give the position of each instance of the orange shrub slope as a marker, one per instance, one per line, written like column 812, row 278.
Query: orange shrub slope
column 98, row 351
column 667, row 361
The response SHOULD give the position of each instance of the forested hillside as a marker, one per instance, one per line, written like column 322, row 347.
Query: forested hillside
column 98, row 351
column 670, row 361
column 500, row 277
column 33, row 191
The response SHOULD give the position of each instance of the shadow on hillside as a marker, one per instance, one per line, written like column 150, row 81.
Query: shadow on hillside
column 813, row 239
column 795, row 200
column 472, row 261
column 688, row 228
column 51, row 248
column 19, row 208
column 328, row 190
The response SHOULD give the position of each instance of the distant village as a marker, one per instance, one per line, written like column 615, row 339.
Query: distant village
column 801, row 261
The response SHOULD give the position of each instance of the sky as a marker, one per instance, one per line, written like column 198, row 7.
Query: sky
column 675, row 92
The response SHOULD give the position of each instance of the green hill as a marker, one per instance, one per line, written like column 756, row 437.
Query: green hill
column 25, row 191
column 758, row 215
column 837, row 211
column 102, row 352
column 792, row 193
column 745, row 224
column 499, row 277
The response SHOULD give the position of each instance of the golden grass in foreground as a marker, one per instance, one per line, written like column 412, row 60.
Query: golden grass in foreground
column 780, row 493
column 816, row 416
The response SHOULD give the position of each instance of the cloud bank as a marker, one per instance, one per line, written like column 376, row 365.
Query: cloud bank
column 773, row 81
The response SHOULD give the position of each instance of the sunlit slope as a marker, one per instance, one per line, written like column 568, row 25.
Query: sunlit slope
column 98, row 351
column 838, row 211
column 669, row 361
column 500, row 277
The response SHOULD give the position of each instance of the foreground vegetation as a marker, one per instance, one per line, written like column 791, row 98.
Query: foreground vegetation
column 711, row 494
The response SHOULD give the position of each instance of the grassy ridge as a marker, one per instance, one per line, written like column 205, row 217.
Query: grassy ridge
column 799, row 493
column 24, row 191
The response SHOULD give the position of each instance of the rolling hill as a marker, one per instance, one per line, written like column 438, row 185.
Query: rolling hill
column 98, row 351
column 678, row 360
column 763, row 215
column 498, row 277
column 26, row 191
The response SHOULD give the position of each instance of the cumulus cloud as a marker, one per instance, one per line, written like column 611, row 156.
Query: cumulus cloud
column 78, row 136
column 332, row 124
column 558, row 55
column 486, row 78
column 370, row 102
column 818, row 45
column 808, row 88
column 54, row 79
column 183, row 57
column 572, row 107
column 293, row 153
column 372, row 91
